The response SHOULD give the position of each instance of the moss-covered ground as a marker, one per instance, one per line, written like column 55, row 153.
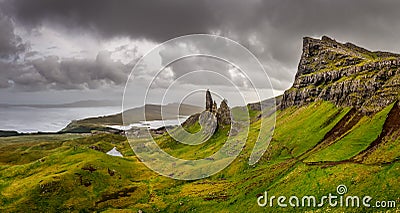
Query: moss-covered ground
column 55, row 173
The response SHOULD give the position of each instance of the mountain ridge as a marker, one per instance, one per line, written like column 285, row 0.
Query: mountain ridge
column 344, row 74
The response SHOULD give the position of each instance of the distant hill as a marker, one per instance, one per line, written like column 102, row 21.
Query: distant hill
column 134, row 115
column 6, row 133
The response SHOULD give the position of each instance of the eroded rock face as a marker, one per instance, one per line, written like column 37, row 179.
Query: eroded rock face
column 224, row 113
column 344, row 74
column 209, row 101
column 214, row 108
column 208, row 122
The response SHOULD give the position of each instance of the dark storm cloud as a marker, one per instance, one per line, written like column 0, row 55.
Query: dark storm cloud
column 373, row 24
column 278, row 24
column 151, row 19
column 271, row 29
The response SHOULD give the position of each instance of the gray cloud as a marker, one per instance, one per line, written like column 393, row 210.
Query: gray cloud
column 10, row 43
column 270, row 29
column 57, row 73
column 81, row 73
column 151, row 19
column 249, row 71
column 279, row 25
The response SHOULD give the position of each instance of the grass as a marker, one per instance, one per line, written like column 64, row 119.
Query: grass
column 298, row 130
column 363, row 134
column 63, row 174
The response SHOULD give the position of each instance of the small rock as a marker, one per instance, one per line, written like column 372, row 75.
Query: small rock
column 111, row 172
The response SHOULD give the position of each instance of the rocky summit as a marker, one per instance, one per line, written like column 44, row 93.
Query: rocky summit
column 344, row 74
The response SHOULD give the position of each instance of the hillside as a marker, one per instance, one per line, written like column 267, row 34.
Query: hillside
column 134, row 115
column 320, row 142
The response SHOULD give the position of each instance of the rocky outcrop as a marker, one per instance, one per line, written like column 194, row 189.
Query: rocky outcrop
column 214, row 109
column 223, row 113
column 191, row 120
column 207, row 119
column 208, row 123
column 209, row 101
column 344, row 74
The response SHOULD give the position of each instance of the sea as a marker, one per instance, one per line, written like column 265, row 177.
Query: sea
column 155, row 124
column 32, row 119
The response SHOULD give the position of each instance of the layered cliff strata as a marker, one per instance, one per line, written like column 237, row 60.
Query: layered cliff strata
column 344, row 74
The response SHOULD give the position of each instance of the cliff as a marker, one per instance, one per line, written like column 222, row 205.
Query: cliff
column 344, row 74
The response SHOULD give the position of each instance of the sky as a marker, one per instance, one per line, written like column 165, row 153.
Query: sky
column 69, row 50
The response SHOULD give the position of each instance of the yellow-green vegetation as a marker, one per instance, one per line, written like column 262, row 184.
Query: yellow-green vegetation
column 298, row 130
column 192, row 152
column 71, row 172
column 358, row 138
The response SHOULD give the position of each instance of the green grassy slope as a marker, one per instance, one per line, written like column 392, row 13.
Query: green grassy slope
column 61, row 173
column 363, row 134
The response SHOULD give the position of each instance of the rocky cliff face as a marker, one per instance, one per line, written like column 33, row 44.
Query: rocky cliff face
column 344, row 74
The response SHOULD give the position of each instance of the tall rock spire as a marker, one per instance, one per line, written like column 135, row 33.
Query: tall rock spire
column 223, row 113
column 209, row 101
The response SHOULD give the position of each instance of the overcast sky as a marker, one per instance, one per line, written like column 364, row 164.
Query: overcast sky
column 69, row 50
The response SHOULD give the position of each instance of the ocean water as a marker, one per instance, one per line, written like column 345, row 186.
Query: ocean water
column 31, row 119
column 152, row 124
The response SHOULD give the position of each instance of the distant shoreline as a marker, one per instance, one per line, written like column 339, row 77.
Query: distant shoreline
column 28, row 119
column 10, row 133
